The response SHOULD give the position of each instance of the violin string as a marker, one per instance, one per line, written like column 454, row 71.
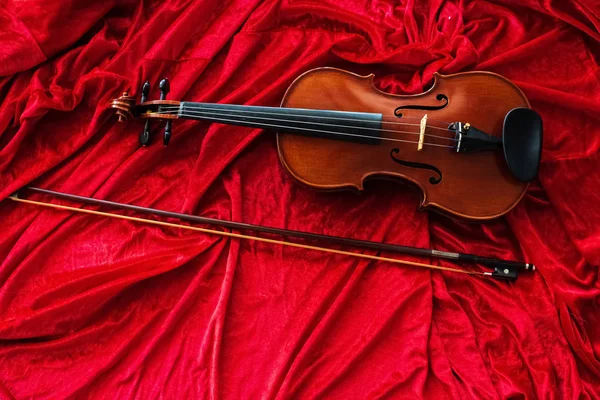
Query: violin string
column 211, row 114
column 388, row 120
column 333, row 133
column 249, row 237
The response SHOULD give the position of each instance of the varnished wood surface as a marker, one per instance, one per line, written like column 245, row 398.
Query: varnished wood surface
column 476, row 186
column 158, row 115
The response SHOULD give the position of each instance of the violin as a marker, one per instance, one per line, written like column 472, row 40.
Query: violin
column 471, row 143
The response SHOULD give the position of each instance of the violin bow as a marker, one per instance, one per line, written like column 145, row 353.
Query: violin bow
column 501, row 269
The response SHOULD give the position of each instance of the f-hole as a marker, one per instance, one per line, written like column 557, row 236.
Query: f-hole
column 434, row 180
column 440, row 97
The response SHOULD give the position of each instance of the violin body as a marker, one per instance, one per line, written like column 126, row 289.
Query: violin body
column 475, row 186
column 471, row 143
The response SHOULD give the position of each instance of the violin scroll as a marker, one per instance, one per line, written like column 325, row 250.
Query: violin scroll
column 161, row 109
column 124, row 106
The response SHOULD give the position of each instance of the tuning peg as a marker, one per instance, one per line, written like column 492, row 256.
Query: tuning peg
column 167, row 136
column 145, row 91
column 145, row 135
column 165, row 88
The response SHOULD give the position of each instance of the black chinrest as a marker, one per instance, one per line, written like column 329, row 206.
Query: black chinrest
column 522, row 142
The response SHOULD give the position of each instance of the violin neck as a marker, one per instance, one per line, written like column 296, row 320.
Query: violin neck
column 349, row 126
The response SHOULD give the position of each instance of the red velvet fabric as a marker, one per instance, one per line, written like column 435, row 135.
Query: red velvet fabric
column 97, row 307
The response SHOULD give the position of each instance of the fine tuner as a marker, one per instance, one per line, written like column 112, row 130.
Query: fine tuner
column 471, row 143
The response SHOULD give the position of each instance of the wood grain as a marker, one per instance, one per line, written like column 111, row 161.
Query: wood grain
column 476, row 186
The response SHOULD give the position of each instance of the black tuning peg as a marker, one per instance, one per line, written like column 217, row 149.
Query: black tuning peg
column 165, row 87
column 145, row 135
column 167, row 136
column 145, row 91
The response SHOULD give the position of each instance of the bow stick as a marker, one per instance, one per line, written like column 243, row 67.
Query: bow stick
column 502, row 269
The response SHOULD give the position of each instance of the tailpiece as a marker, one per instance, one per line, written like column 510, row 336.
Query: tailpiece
column 471, row 143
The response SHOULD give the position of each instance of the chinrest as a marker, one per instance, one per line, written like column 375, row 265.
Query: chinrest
column 522, row 143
